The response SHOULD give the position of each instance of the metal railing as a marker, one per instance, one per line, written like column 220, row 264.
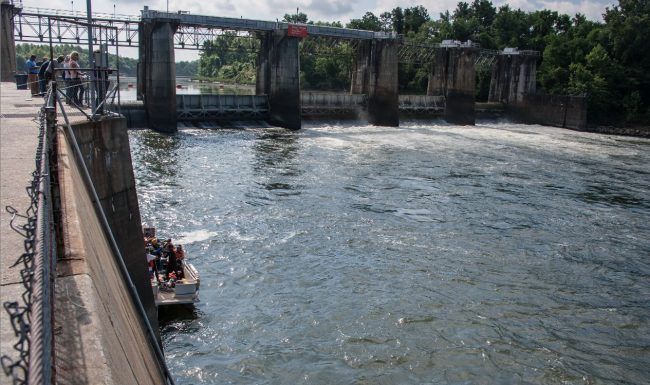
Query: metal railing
column 119, row 259
column 32, row 316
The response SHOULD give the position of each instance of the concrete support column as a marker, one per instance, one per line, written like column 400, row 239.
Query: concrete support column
column 461, row 86
column 279, row 77
column 513, row 76
column 262, row 82
column 527, row 79
column 453, row 75
column 382, row 86
column 437, row 85
column 359, row 82
column 7, row 43
column 158, row 71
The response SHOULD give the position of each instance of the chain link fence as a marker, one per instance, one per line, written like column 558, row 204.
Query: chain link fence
column 31, row 315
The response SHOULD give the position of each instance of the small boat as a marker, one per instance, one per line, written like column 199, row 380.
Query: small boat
column 184, row 291
column 181, row 291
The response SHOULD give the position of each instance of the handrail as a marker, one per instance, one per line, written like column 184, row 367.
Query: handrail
column 33, row 319
column 116, row 250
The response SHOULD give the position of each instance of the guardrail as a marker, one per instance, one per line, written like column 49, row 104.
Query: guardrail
column 148, row 329
column 32, row 318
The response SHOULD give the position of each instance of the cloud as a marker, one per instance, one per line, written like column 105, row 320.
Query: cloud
column 324, row 10
column 592, row 9
column 336, row 8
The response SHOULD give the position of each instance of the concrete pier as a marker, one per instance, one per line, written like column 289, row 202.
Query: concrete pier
column 437, row 85
column 157, row 74
column 7, row 43
column 383, row 92
column 454, row 76
column 375, row 74
column 107, row 154
column 279, row 78
column 359, row 81
column 513, row 76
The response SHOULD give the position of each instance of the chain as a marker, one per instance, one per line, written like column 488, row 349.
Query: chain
column 20, row 311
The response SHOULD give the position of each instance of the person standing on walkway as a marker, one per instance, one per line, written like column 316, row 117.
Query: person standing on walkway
column 41, row 75
column 51, row 72
column 32, row 74
column 77, row 90
column 66, row 79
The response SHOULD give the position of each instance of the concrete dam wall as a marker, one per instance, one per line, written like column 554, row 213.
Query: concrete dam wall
column 101, row 336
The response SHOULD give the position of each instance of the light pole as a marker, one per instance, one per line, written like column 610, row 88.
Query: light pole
column 91, row 55
column 72, row 6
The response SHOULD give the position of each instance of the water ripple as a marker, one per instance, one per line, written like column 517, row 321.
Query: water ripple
column 432, row 253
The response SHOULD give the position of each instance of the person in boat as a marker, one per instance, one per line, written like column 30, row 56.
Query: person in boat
column 153, row 264
column 171, row 260
column 157, row 251
column 180, row 254
column 180, row 274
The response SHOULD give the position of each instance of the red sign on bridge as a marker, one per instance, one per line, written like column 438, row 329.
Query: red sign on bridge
column 297, row 30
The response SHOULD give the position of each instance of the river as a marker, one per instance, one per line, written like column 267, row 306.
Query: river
column 424, row 254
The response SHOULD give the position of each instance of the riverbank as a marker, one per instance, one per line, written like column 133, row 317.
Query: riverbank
column 637, row 131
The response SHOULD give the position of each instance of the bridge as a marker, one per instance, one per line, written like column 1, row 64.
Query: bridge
column 376, row 56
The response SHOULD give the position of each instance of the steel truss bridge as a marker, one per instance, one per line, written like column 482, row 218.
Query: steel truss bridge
column 37, row 25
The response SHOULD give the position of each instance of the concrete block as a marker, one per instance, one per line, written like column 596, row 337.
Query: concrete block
column 382, row 87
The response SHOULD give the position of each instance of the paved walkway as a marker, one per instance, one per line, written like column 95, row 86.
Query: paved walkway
column 18, row 141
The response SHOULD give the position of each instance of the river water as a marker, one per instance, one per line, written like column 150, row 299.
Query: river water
column 424, row 254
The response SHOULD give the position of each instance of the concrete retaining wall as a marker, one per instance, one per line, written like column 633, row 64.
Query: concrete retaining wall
column 100, row 338
column 135, row 114
column 552, row 110
column 106, row 150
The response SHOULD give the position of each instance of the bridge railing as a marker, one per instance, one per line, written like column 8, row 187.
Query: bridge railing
column 331, row 99
column 141, row 312
column 421, row 102
column 32, row 316
column 216, row 106
column 78, row 14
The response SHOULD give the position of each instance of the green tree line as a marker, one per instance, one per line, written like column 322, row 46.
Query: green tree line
column 609, row 60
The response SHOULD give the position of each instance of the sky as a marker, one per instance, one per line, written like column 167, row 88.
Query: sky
column 321, row 10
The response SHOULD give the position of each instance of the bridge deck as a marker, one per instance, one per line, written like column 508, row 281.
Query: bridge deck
column 259, row 25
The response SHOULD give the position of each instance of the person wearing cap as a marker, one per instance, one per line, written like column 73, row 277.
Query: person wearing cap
column 50, row 73
column 41, row 75
column 32, row 74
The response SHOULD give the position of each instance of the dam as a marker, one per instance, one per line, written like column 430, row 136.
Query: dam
column 317, row 255
column 450, row 249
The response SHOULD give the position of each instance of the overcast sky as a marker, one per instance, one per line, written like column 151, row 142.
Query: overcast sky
column 323, row 10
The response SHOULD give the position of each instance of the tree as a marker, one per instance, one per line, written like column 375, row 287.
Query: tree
column 368, row 22
column 414, row 17
column 299, row 17
column 397, row 19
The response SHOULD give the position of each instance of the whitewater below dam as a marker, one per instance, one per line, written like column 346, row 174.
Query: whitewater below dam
column 426, row 254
